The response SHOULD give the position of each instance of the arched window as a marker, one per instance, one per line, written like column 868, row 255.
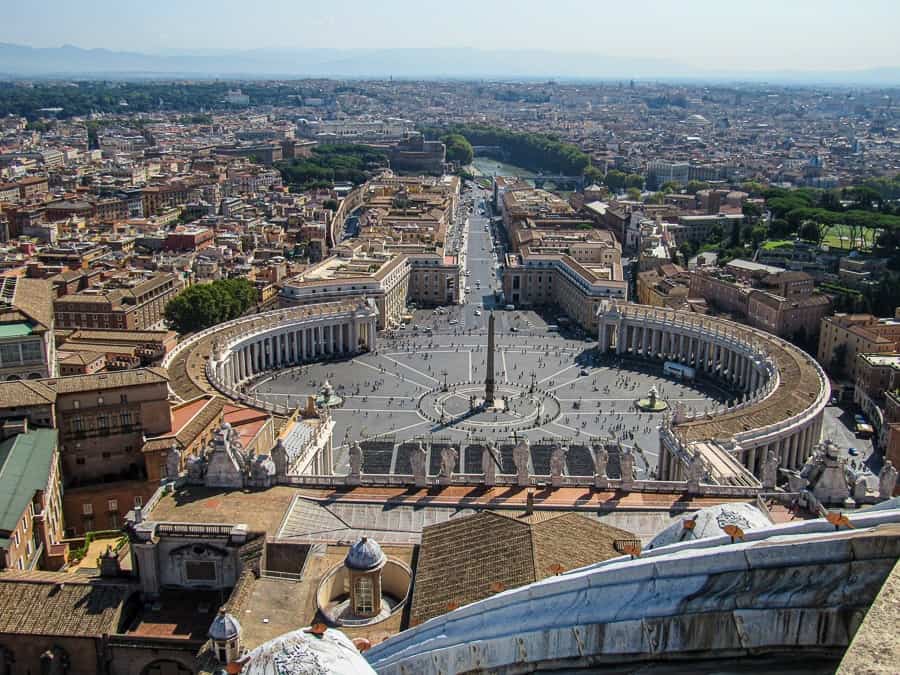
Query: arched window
column 363, row 597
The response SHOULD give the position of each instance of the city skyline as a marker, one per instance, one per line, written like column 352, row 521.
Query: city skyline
column 705, row 37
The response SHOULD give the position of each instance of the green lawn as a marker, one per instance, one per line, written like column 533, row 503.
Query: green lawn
column 778, row 243
column 838, row 236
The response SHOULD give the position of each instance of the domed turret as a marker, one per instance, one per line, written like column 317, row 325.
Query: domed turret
column 365, row 555
column 225, row 633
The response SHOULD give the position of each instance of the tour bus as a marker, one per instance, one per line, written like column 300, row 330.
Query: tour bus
column 678, row 370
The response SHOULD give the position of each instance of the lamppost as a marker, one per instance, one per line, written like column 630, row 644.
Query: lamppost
column 444, row 373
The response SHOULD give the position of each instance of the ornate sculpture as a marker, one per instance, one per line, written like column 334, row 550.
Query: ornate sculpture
column 490, row 460
column 448, row 463
column 418, row 461
column 696, row 473
column 521, row 457
column 356, row 460
column 626, row 462
column 601, row 459
column 887, row 480
column 770, row 470
column 557, row 464
column 173, row 462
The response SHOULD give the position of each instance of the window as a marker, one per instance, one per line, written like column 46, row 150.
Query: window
column 79, row 461
column 9, row 354
column 113, row 504
column 31, row 351
column 138, row 502
column 113, row 521
column 363, row 597
column 87, row 509
column 200, row 570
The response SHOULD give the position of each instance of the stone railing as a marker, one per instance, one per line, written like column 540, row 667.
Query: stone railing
column 511, row 480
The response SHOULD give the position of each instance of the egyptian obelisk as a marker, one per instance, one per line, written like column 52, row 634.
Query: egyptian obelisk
column 489, row 378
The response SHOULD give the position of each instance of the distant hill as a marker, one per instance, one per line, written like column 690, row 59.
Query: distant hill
column 72, row 61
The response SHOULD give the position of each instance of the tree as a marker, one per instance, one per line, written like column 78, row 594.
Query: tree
column 205, row 305
column 634, row 180
column 752, row 211
column 614, row 180
column 694, row 186
column 670, row 186
column 458, row 148
column 634, row 194
column 810, row 231
column 758, row 235
column 780, row 228
column 330, row 204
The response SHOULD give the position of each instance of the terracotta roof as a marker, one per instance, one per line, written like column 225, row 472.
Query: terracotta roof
column 20, row 393
column 49, row 603
column 195, row 426
column 462, row 559
column 111, row 380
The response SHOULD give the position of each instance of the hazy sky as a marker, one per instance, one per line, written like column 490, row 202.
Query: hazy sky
column 706, row 34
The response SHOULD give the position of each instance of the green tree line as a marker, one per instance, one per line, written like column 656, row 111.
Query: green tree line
column 330, row 163
column 205, row 305
column 537, row 152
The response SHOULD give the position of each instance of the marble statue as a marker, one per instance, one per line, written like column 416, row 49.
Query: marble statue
column 770, row 470
column 887, row 480
column 173, row 462
column 356, row 460
column 448, row 463
column 557, row 464
column 626, row 461
column 418, row 460
column 601, row 460
column 490, row 460
column 695, row 473
column 521, row 457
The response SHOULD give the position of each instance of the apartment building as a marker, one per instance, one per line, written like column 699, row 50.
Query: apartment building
column 27, row 343
column 785, row 304
column 844, row 336
column 136, row 307
column 537, row 278
column 31, row 514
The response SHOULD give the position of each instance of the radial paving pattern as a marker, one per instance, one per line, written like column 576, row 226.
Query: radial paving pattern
column 429, row 386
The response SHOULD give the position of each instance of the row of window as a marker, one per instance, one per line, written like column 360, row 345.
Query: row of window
column 21, row 352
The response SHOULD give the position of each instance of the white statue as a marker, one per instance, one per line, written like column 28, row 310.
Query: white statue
column 356, row 459
column 557, row 464
column 770, row 470
column 696, row 472
column 448, row 462
column 173, row 462
column 601, row 459
column 626, row 462
column 490, row 460
column 418, row 461
column 887, row 480
column 521, row 457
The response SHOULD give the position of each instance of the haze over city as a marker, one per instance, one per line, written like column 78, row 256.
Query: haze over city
column 460, row 338
column 650, row 38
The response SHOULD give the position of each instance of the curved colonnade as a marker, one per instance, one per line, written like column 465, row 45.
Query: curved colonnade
column 781, row 392
column 223, row 357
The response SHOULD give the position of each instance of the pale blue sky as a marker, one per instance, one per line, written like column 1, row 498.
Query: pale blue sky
column 708, row 34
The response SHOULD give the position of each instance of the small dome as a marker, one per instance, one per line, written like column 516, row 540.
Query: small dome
column 224, row 627
column 365, row 554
